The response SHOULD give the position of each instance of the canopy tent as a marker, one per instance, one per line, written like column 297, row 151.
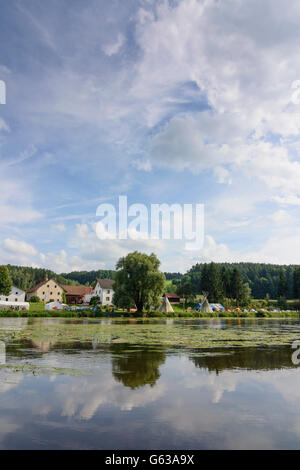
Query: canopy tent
column 18, row 305
column 217, row 307
column 214, row 307
column 166, row 306
column 54, row 306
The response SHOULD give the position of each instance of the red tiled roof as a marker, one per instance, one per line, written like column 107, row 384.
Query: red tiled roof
column 171, row 296
column 77, row 290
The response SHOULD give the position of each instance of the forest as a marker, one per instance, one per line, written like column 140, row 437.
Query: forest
column 263, row 280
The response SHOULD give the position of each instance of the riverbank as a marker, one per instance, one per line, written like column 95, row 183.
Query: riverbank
column 122, row 314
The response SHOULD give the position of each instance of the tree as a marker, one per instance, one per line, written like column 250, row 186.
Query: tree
column 95, row 300
column 282, row 303
column 211, row 282
column 245, row 298
column 226, row 281
column 282, row 284
column 186, row 291
column 236, row 285
column 35, row 299
column 138, row 280
column 296, row 282
column 5, row 281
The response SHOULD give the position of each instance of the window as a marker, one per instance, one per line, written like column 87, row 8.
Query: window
column 50, row 293
column 108, row 291
column 58, row 293
column 16, row 300
column 48, row 285
column 55, row 287
column 107, row 298
column 17, row 293
column 6, row 299
column 43, row 293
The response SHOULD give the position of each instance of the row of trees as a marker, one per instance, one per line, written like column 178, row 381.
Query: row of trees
column 88, row 277
column 270, row 280
column 138, row 282
column 25, row 277
column 220, row 283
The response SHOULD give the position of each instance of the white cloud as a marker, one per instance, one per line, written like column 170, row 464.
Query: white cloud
column 15, row 202
column 280, row 217
column 17, row 252
column 18, row 247
column 114, row 48
column 59, row 227
column 3, row 125
column 233, row 63
column 143, row 165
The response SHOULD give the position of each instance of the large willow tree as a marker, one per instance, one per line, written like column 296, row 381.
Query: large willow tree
column 138, row 281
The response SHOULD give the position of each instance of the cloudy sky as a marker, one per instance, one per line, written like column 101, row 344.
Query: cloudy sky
column 189, row 101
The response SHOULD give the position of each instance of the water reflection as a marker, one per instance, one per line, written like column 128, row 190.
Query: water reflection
column 258, row 359
column 127, row 396
column 136, row 369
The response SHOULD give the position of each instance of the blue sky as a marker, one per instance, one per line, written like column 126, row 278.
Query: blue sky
column 185, row 101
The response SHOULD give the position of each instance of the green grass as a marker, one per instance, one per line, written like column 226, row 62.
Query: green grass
column 36, row 307
column 37, row 311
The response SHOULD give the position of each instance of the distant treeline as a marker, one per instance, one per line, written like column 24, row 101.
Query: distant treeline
column 25, row 277
column 88, row 277
column 171, row 276
column 263, row 279
column 274, row 280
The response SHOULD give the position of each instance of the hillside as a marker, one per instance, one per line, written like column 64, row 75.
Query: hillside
column 25, row 277
column 262, row 278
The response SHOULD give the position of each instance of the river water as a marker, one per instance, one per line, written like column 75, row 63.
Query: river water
column 89, row 385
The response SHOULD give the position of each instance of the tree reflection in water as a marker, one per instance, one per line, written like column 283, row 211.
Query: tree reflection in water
column 136, row 368
column 267, row 358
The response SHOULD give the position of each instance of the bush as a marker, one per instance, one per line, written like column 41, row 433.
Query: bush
column 35, row 299
column 94, row 300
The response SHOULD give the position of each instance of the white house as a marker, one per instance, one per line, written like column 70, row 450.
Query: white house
column 103, row 288
column 16, row 295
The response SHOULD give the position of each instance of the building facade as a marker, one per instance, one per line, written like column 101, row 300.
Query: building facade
column 16, row 295
column 46, row 291
column 78, row 294
column 103, row 288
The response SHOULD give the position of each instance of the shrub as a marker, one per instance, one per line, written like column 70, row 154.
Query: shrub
column 35, row 299
column 95, row 300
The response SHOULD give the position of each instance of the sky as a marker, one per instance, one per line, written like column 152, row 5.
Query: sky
column 189, row 101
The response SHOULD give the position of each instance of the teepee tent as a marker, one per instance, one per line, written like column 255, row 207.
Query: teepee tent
column 166, row 306
column 205, row 307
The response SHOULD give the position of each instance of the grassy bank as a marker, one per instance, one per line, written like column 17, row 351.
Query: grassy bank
column 177, row 314
column 37, row 310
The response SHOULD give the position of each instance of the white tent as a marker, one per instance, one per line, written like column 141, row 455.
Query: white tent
column 18, row 305
column 166, row 306
column 205, row 307
column 54, row 306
